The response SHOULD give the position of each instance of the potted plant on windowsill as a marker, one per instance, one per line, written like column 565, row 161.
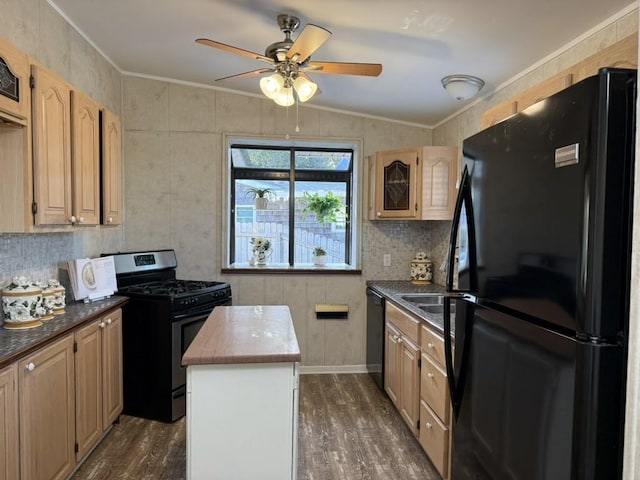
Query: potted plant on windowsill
column 319, row 256
column 325, row 208
column 261, row 196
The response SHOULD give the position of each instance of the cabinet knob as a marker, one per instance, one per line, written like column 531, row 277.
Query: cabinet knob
column 428, row 425
column 110, row 220
column 31, row 367
column 108, row 321
column 430, row 375
column 430, row 345
column 379, row 214
column 72, row 219
column 80, row 219
column 101, row 324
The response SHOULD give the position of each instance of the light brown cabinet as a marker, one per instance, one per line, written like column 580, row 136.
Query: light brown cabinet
column 51, row 148
column 8, row 423
column 85, row 159
column 14, row 90
column 413, row 184
column 435, row 405
column 402, row 364
column 62, row 162
column 46, row 385
column 111, row 169
column 98, row 364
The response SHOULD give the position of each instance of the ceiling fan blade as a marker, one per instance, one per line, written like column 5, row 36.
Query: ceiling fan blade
column 230, row 49
column 340, row 68
column 309, row 40
column 252, row 73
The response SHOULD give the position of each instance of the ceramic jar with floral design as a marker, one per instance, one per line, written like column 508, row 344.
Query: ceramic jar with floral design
column 47, row 301
column 421, row 269
column 21, row 304
column 59, row 297
column 261, row 250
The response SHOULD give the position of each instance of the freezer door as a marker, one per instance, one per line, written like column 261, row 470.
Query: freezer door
column 551, row 202
column 531, row 403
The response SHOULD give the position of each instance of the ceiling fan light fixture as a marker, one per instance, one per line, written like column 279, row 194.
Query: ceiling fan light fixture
column 304, row 88
column 284, row 98
column 462, row 87
column 271, row 85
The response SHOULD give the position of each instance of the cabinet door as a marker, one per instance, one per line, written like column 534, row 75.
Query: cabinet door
column 112, row 368
column 47, row 411
column 111, row 169
column 88, row 363
column 439, row 177
column 410, row 383
column 14, row 88
column 397, row 183
column 85, row 158
column 51, row 148
column 8, row 423
column 391, row 363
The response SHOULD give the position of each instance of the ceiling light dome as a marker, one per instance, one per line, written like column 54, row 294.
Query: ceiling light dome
column 304, row 88
column 462, row 87
column 271, row 85
column 284, row 98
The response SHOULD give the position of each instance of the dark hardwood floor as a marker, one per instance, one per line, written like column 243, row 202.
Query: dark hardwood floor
column 347, row 430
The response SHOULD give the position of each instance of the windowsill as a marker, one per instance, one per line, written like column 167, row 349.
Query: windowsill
column 304, row 268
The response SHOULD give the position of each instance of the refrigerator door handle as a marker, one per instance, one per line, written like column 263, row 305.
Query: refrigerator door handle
column 464, row 199
column 456, row 386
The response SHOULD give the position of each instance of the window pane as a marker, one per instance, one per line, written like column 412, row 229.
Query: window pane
column 268, row 218
column 260, row 158
column 315, row 160
column 323, row 227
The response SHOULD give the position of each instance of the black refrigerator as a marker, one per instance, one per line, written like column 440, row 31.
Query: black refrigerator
column 541, row 241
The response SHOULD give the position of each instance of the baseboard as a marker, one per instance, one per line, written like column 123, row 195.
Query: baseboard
column 330, row 369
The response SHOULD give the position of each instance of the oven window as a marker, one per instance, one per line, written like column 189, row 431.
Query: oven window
column 189, row 332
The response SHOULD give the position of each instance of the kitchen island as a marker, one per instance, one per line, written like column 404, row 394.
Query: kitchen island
column 242, row 395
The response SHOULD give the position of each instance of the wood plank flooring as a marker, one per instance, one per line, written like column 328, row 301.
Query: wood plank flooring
column 347, row 430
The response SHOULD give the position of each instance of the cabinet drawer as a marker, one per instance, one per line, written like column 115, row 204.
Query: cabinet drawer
column 434, row 389
column 434, row 438
column 409, row 325
column 433, row 345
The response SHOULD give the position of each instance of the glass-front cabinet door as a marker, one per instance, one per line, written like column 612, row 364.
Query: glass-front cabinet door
column 397, row 182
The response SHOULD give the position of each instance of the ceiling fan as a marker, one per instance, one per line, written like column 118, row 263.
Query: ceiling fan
column 289, row 61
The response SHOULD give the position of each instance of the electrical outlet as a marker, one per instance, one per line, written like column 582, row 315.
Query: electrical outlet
column 386, row 260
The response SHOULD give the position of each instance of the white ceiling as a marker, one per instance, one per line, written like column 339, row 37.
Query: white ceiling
column 417, row 42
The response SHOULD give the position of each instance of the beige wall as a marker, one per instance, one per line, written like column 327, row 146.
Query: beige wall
column 173, row 167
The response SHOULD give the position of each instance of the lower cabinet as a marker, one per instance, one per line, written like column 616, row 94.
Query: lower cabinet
column 98, row 365
column 416, row 382
column 9, row 465
column 56, row 403
column 47, row 412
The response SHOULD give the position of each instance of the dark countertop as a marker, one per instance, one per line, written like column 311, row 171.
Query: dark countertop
column 14, row 344
column 392, row 289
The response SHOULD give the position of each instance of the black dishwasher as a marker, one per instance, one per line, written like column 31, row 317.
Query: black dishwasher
column 375, row 337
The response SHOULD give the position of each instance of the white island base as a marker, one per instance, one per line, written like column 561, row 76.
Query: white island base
column 242, row 397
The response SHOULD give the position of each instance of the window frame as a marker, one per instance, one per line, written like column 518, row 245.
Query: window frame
column 350, row 178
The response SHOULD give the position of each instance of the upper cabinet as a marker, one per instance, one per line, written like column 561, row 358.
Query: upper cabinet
column 60, row 149
column 85, row 159
column 111, row 169
column 413, row 184
column 51, row 148
column 14, row 87
column 622, row 54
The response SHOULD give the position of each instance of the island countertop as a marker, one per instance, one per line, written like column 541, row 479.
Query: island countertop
column 245, row 334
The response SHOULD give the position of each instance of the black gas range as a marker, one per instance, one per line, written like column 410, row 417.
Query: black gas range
column 160, row 321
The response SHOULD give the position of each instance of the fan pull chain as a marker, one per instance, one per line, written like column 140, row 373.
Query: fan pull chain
column 297, row 103
column 287, row 135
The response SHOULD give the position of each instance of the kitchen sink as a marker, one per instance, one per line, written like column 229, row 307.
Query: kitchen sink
column 423, row 298
column 436, row 308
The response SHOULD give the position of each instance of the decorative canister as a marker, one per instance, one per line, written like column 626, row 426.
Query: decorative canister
column 421, row 269
column 59, row 300
column 47, row 301
column 21, row 304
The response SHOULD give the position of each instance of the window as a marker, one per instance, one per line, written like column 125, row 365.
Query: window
column 296, row 197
